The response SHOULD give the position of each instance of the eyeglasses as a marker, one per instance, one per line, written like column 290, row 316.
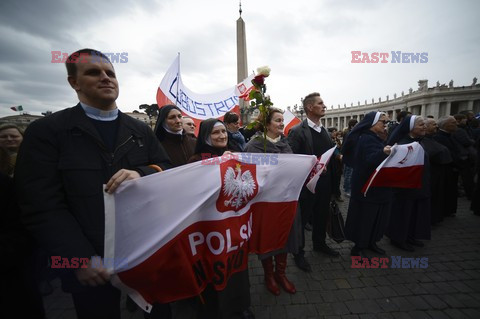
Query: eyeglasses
column 383, row 121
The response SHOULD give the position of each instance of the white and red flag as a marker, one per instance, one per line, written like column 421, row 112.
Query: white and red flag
column 403, row 168
column 319, row 168
column 242, row 90
column 290, row 121
column 172, row 233
column 197, row 106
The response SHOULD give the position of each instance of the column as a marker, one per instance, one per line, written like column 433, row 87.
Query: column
column 448, row 108
column 423, row 110
column 435, row 110
column 470, row 105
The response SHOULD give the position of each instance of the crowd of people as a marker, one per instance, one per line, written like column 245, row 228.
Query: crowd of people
column 52, row 179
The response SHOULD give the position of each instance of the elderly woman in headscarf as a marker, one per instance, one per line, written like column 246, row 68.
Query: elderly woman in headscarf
column 367, row 216
column 174, row 139
column 234, row 300
column 410, row 213
column 275, row 142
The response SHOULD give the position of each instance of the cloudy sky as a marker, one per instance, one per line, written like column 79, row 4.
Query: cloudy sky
column 307, row 44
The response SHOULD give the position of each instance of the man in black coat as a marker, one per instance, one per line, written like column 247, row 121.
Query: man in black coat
column 63, row 163
column 466, row 145
column 447, row 125
column 311, row 138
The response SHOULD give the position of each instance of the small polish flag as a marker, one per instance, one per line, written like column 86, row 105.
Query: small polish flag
column 403, row 168
column 290, row 121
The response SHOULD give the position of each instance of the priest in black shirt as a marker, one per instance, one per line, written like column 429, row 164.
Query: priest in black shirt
column 62, row 165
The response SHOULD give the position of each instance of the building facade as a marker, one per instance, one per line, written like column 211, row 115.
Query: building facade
column 21, row 120
column 436, row 101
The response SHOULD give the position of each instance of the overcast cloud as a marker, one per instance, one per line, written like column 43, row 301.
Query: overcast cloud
column 307, row 44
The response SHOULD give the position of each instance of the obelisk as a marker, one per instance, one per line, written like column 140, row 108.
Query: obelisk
column 241, row 60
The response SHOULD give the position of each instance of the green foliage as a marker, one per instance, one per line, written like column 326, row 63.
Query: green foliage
column 150, row 110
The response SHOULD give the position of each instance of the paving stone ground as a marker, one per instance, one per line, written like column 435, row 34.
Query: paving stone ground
column 448, row 288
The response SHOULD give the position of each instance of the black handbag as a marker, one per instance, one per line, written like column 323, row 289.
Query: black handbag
column 335, row 223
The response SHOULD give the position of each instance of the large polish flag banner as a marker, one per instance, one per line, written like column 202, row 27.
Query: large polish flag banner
column 169, row 237
column 200, row 106
column 403, row 168
column 290, row 121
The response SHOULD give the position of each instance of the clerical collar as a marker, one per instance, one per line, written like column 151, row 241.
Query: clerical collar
column 313, row 125
column 98, row 114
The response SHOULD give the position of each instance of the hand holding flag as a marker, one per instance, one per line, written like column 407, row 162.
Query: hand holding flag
column 403, row 168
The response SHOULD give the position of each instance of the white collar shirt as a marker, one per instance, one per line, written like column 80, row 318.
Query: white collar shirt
column 316, row 127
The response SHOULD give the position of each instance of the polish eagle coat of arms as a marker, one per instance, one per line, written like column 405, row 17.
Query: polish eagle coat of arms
column 239, row 185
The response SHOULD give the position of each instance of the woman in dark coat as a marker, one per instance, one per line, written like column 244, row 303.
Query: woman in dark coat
column 410, row 215
column 169, row 131
column 234, row 300
column 367, row 216
column 275, row 142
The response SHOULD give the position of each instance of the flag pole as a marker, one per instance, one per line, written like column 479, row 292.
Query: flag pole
column 178, row 76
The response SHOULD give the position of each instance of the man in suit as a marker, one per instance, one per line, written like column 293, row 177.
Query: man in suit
column 311, row 138
column 62, row 165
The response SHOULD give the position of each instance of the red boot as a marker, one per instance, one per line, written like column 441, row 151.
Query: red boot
column 280, row 277
column 270, row 282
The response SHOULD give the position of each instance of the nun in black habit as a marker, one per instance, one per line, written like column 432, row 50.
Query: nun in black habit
column 169, row 131
column 368, row 213
column 410, row 215
column 234, row 300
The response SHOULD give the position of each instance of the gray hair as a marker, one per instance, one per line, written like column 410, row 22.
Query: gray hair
column 441, row 121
